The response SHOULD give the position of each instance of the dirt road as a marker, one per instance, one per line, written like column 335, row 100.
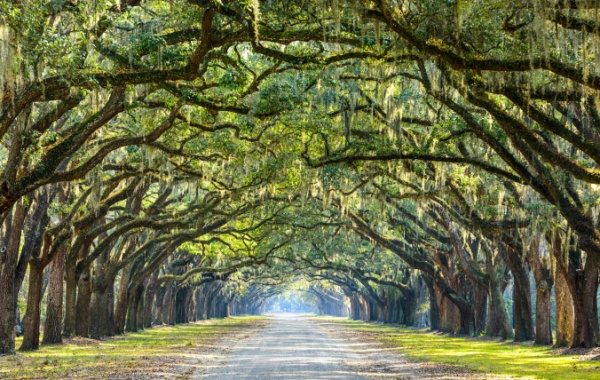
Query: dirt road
column 300, row 347
column 291, row 347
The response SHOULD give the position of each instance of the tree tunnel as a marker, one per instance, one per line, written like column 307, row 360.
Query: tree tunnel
column 427, row 163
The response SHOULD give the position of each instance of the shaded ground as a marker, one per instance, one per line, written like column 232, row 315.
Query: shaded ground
column 301, row 347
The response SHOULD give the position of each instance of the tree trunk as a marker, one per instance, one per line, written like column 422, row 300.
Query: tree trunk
column 481, row 301
column 140, row 310
column 564, row 301
column 53, row 324
column 132, row 309
column 31, row 337
column 434, row 316
column 498, row 323
column 122, row 299
column 8, row 265
column 467, row 323
column 164, row 302
column 564, row 310
column 522, row 313
column 498, row 315
column 585, row 326
column 70, row 299
column 109, row 311
column 149, row 297
column 539, row 262
column 383, row 312
column 543, row 325
column 84, row 295
column 409, row 308
column 96, row 308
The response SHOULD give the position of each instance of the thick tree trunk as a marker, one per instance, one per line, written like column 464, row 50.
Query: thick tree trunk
column 481, row 301
column 132, row 321
column 96, row 308
column 84, row 295
column 467, row 323
column 70, row 299
column 383, row 312
column 564, row 310
column 585, row 325
column 122, row 299
column 31, row 337
column 543, row 325
column 498, row 320
column 451, row 319
column 365, row 310
column 54, row 312
column 409, row 308
column 164, row 302
column 140, row 310
column 109, row 311
column 8, row 265
column 355, row 307
column 498, row 323
column 581, row 277
column 149, row 297
column 434, row 316
column 539, row 262
column 207, row 295
column 522, row 313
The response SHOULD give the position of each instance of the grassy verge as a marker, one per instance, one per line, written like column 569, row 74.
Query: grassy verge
column 486, row 356
column 172, row 351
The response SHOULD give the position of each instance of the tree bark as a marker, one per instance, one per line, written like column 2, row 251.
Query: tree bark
column 434, row 316
column 122, row 299
column 84, row 295
column 409, row 308
column 543, row 325
column 585, row 324
column 54, row 312
column 133, row 304
column 70, row 299
column 498, row 314
column 581, row 277
column 498, row 319
column 109, row 311
column 481, row 301
column 564, row 310
column 8, row 265
column 522, row 313
column 149, row 296
column 96, row 308
column 539, row 262
column 31, row 336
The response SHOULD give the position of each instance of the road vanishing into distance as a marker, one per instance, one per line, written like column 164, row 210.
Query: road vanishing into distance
column 293, row 346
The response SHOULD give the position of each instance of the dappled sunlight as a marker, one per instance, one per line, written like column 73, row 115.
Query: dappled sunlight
column 159, row 352
column 489, row 356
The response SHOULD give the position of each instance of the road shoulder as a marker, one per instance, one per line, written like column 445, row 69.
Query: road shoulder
column 383, row 361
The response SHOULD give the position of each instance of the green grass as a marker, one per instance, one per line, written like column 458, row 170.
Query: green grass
column 145, row 352
column 487, row 356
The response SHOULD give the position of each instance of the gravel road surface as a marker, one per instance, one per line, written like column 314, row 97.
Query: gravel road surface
column 290, row 347
column 293, row 346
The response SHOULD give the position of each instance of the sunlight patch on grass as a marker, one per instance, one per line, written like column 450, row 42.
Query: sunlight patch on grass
column 487, row 356
column 85, row 358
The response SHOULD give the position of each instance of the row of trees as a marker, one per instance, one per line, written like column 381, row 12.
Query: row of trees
column 168, row 162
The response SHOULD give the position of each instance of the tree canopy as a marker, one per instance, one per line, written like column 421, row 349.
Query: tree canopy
column 429, row 163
